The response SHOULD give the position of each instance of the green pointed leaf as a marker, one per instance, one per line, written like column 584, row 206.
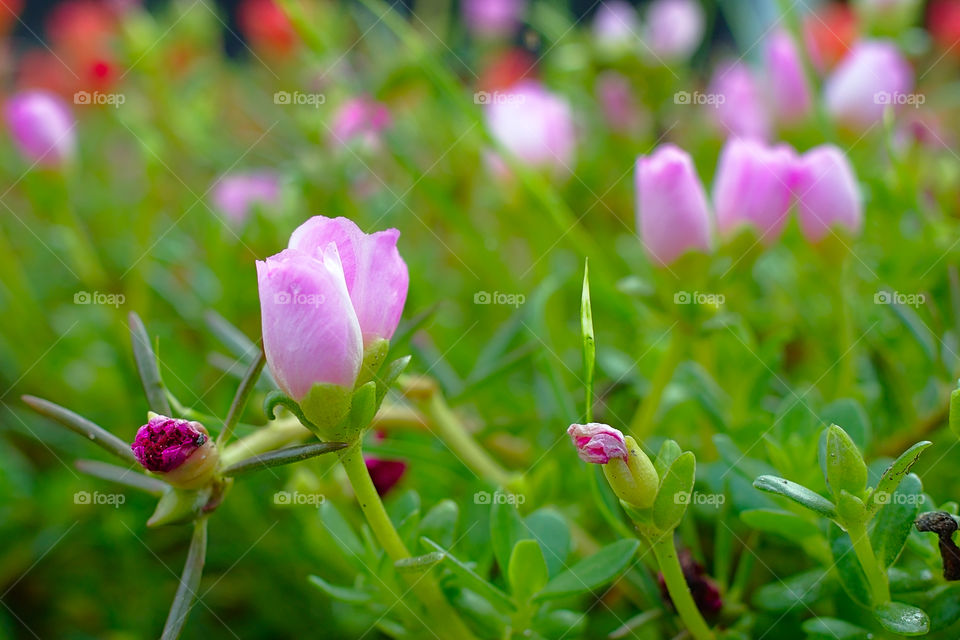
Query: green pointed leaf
column 676, row 487
column 593, row 572
column 469, row 578
column 148, row 367
column 389, row 375
column 669, row 451
column 798, row 493
column 440, row 523
column 80, row 425
column 244, row 389
column 528, row 571
column 283, row 456
column 189, row 582
column 121, row 475
column 902, row 619
column 550, row 529
column 419, row 564
column 894, row 521
column 363, row 406
column 506, row 529
column 891, row 478
column 917, row 328
column 834, row 629
column 343, row 594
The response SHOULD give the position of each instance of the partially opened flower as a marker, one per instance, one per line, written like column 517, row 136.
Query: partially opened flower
column 534, row 125
column 236, row 195
column 674, row 28
column 753, row 187
column 597, row 443
column 672, row 212
column 42, row 127
column 787, row 83
column 181, row 451
column 375, row 274
column 873, row 76
column 737, row 102
column 827, row 193
column 628, row 469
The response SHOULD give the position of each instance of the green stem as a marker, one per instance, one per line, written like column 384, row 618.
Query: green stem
column 444, row 619
column 876, row 577
column 453, row 434
column 642, row 423
column 666, row 553
column 845, row 370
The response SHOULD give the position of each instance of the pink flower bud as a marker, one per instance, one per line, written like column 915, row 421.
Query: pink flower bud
column 179, row 450
column 493, row 17
column 360, row 119
column 42, row 127
column 385, row 473
column 236, row 195
column 375, row 274
column 786, row 80
column 617, row 102
column 873, row 76
column 597, row 443
column 827, row 193
column 753, row 187
column 534, row 125
column 310, row 331
column 674, row 28
column 672, row 212
column 736, row 102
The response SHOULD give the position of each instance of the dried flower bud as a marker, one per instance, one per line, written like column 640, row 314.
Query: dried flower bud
column 179, row 450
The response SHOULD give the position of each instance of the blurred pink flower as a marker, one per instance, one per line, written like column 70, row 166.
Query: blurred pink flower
column 672, row 211
column 493, row 17
column 674, row 28
column 42, row 127
column 788, row 87
column 737, row 102
column 872, row 76
column 617, row 102
column 597, row 443
column 237, row 194
column 827, row 193
column 616, row 24
column 533, row 124
column 753, row 187
column 360, row 119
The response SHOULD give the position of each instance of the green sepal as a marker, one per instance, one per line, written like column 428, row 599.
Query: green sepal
column 363, row 407
column 373, row 357
column 327, row 406
column 675, row 491
column 278, row 398
column 179, row 506
column 669, row 451
column 389, row 376
column 845, row 467
column 850, row 508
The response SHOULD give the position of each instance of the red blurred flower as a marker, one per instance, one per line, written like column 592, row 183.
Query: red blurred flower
column 80, row 33
column 9, row 10
column 829, row 34
column 266, row 27
column 507, row 69
column 944, row 24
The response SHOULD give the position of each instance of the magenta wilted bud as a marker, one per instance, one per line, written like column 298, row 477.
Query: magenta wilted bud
column 179, row 450
column 871, row 77
column 674, row 28
column 534, row 125
column 42, row 127
column 374, row 272
column 787, row 83
column 360, row 119
column 236, row 195
column 753, row 187
column 672, row 212
column 493, row 17
column 736, row 102
column 827, row 193
column 310, row 331
column 597, row 443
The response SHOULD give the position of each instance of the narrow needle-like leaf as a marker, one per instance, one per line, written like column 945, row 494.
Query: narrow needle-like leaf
column 147, row 367
column 283, row 456
column 189, row 582
column 120, row 475
column 240, row 399
column 79, row 424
